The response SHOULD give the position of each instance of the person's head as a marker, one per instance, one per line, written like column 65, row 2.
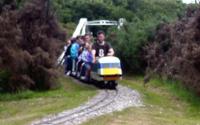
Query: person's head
column 100, row 36
column 87, row 38
column 88, row 46
column 68, row 42
column 79, row 39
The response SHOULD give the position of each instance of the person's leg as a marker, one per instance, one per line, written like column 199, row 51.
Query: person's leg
column 82, row 69
column 74, row 61
column 73, row 65
column 77, row 64
column 78, row 67
column 65, row 64
column 87, row 70
column 68, row 66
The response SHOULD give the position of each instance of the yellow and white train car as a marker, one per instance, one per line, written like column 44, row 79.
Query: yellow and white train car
column 107, row 70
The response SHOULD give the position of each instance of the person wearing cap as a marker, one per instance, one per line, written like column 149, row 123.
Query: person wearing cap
column 101, row 48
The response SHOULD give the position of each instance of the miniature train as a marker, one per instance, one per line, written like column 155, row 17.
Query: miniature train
column 106, row 71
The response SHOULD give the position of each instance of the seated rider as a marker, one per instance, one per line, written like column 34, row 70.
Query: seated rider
column 101, row 48
column 85, row 39
column 85, row 62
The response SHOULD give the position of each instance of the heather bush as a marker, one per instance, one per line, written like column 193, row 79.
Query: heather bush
column 175, row 50
column 30, row 41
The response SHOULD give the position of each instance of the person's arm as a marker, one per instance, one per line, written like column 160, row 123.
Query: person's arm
column 93, row 55
column 111, row 51
column 90, row 57
column 80, row 49
column 74, row 50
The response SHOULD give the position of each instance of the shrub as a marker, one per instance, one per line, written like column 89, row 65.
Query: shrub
column 30, row 41
column 175, row 50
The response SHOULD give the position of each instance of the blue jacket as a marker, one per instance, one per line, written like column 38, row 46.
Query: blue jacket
column 74, row 50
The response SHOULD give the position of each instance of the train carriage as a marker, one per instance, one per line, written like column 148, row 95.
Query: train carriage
column 107, row 70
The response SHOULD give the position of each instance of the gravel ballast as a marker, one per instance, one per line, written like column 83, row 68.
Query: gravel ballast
column 106, row 101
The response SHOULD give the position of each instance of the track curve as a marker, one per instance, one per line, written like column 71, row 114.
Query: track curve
column 105, row 102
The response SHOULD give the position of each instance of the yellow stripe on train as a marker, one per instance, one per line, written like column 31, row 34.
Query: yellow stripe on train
column 111, row 71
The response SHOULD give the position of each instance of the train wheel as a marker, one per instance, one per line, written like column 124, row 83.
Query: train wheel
column 111, row 84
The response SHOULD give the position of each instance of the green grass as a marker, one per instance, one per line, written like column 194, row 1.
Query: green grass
column 166, row 103
column 24, row 107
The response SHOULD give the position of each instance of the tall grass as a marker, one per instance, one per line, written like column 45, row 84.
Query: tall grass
column 178, row 90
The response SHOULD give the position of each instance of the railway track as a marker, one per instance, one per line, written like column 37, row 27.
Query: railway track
column 107, row 97
column 105, row 102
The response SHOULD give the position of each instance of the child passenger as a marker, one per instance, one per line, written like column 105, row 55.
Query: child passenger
column 74, row 52
column 85, row 62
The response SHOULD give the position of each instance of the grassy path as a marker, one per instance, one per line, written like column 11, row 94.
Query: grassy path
column 22, row 108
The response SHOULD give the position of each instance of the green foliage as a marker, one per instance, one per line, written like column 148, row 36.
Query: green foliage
column 179, row 90
column 128, row 44
column 4, row 79
column 20, row 2
column 142, row 16
column 129, row 41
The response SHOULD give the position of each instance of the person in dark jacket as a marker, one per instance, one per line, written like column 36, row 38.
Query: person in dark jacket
column 67, row 62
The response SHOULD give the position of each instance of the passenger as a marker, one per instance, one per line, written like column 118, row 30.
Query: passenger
column 82, row 45
column 67, row 56
column 82, row 59
column 101, row 48
column 85, row 62
column 86, row 38
column 74, row 52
